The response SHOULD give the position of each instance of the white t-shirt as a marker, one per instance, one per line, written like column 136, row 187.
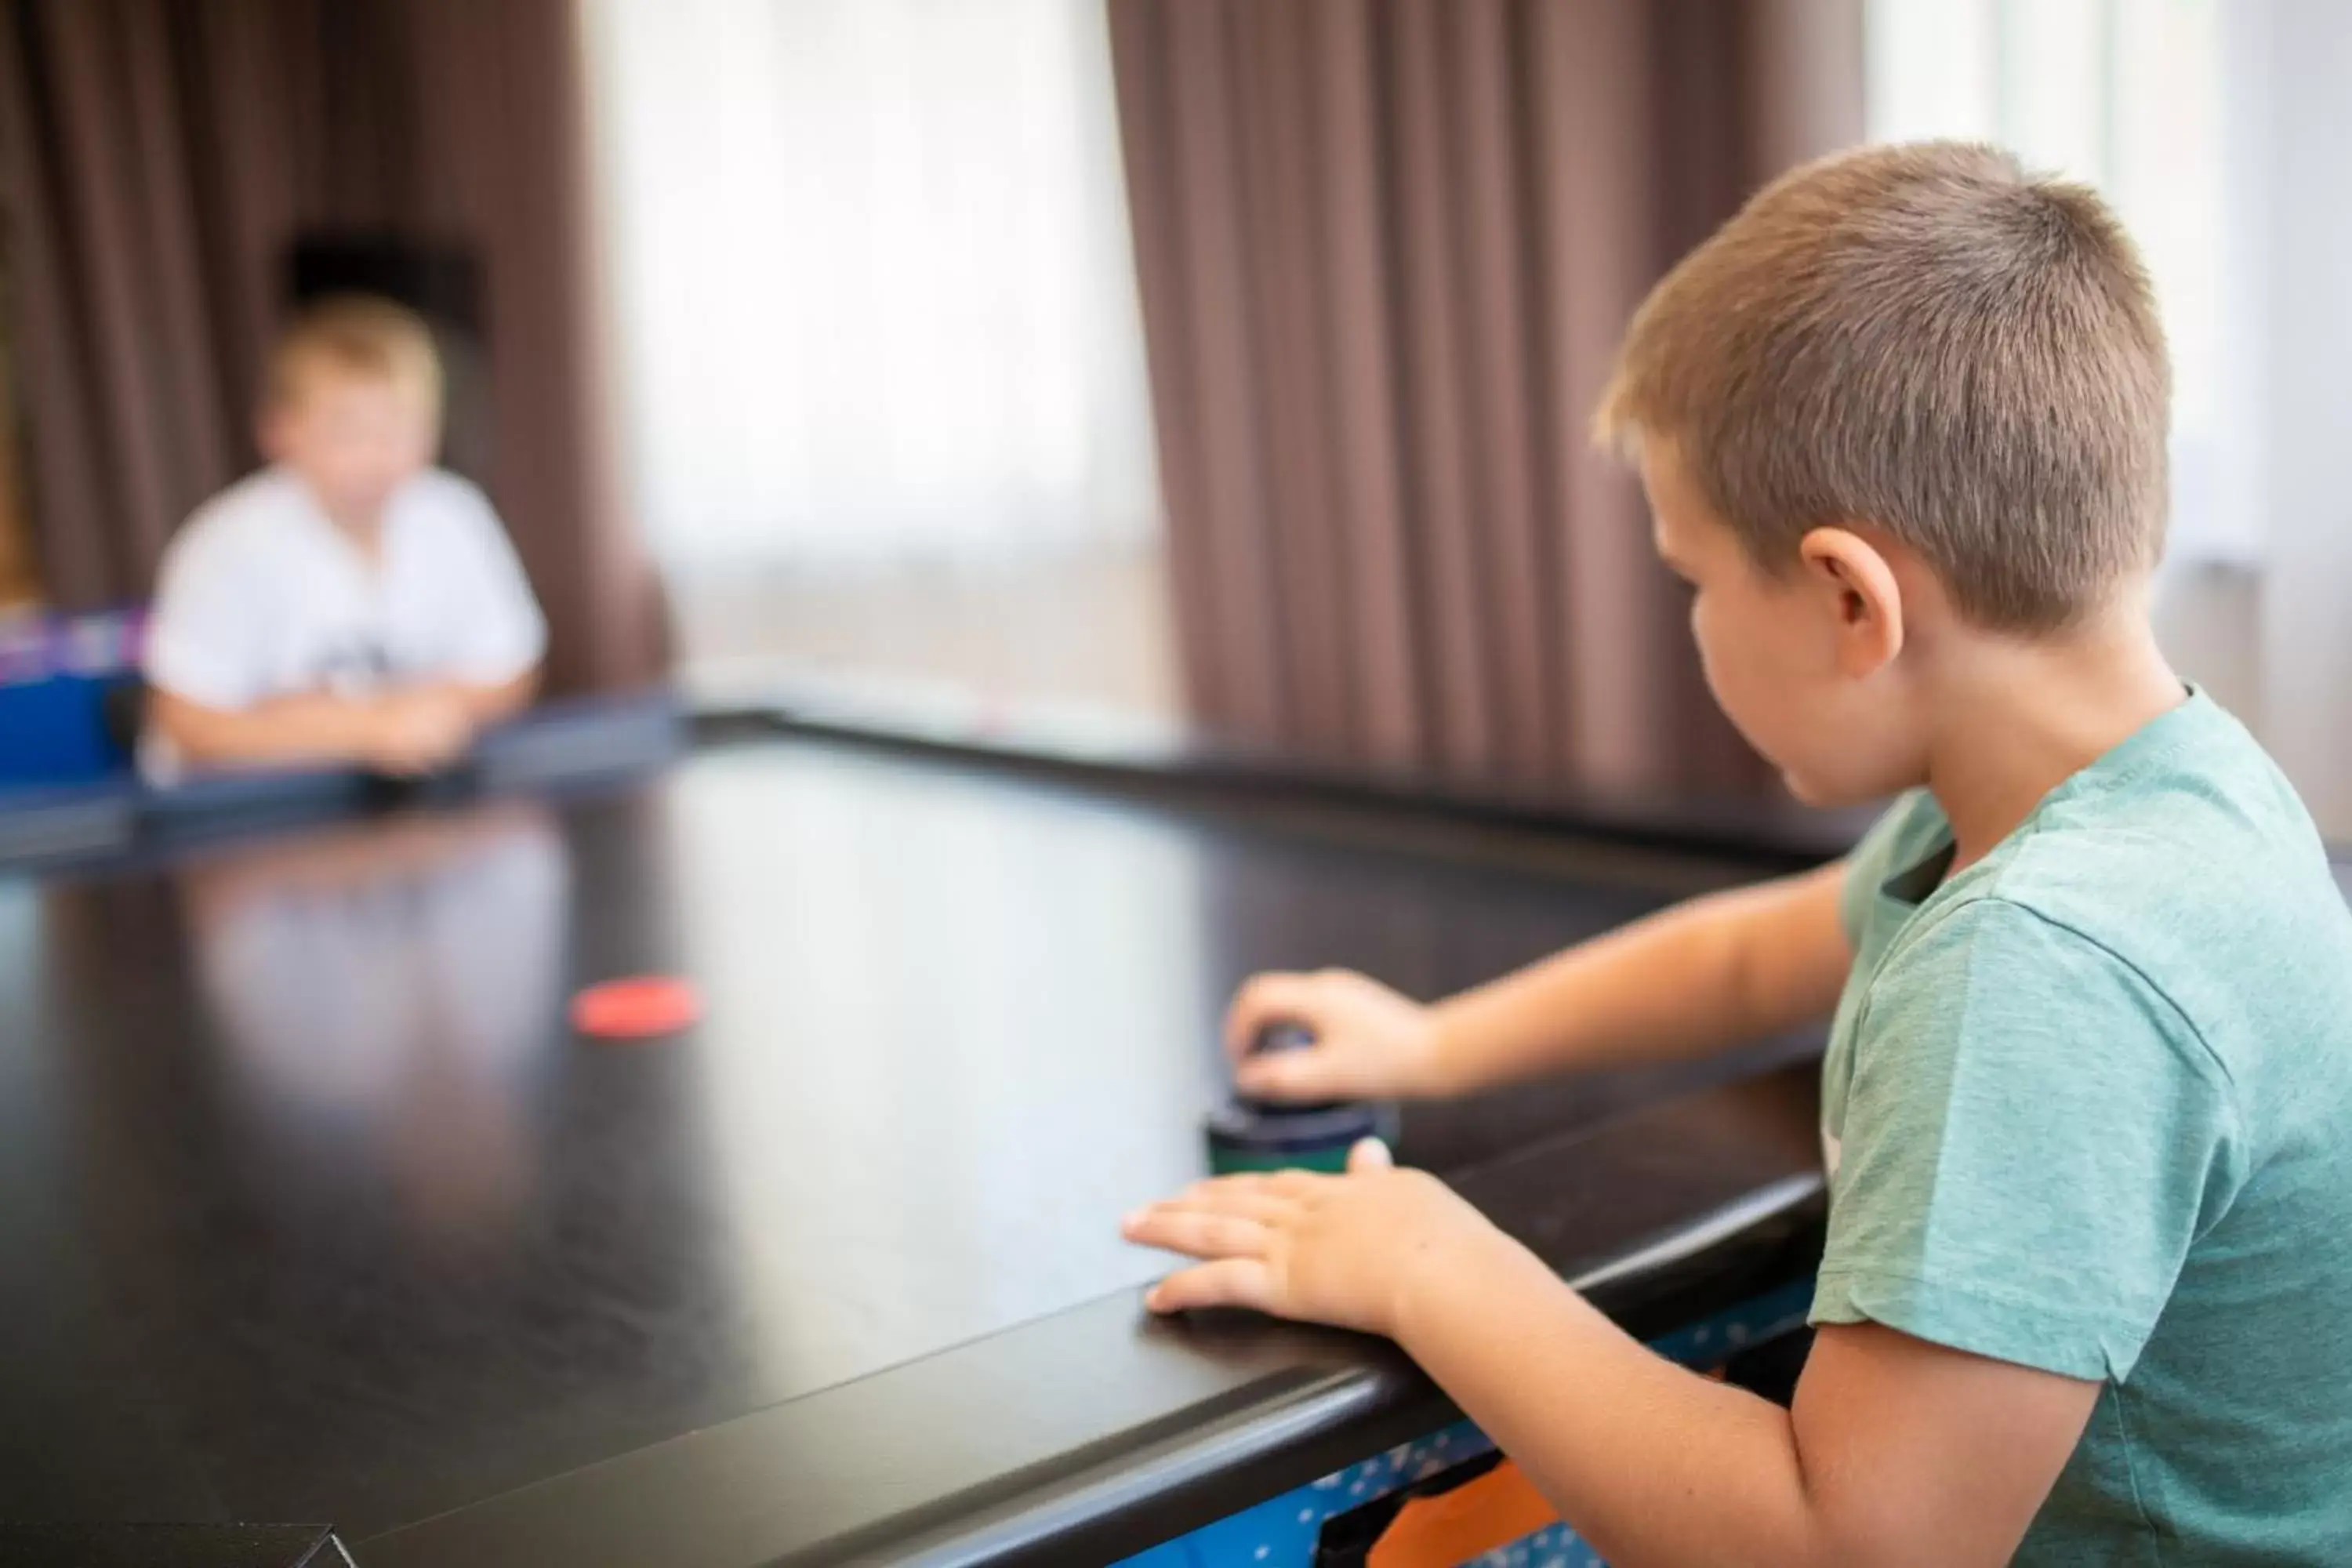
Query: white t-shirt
column 262, row 595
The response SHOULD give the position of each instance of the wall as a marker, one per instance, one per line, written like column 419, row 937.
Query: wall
column 2295, row 170
column 2270, row 632
column 2210, row 620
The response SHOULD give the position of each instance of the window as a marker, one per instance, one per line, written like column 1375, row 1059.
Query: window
column 2126, row 96
column 874, row 295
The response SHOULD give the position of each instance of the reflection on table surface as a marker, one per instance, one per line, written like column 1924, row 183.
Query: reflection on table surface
column 312, row 1206
column 386, row 986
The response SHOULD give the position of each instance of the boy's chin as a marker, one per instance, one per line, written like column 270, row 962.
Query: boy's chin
column 1827, row 797
column 1814, row 793
column 358, row 501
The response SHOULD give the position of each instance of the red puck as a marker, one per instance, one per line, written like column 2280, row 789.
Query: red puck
column 635, row 1008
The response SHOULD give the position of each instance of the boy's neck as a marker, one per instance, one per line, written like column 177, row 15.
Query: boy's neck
column 363, row 527
column 2016, row 720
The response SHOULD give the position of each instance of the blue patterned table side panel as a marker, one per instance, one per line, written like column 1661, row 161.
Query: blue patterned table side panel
column 1281, row 1533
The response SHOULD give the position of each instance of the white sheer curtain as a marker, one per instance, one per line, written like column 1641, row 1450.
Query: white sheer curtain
column 874, row 292
column 2129, row 96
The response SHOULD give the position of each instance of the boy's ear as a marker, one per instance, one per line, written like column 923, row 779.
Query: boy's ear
column 1868, row 602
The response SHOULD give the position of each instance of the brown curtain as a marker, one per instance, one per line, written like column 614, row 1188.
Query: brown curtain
column 156, row 158
column 1386, row 248
column 18, row 585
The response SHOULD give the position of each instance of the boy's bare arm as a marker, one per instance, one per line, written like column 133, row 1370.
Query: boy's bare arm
column 410, row 732
column 1898, row 1451
column 1700, row 977
column 487, row 702
column 312, row 727
column 1695, row 979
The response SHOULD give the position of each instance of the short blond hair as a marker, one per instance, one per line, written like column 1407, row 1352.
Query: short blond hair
column 354, row 336
column 1930, row 338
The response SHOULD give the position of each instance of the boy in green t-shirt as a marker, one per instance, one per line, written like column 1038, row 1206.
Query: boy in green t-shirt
column 2088, row 1293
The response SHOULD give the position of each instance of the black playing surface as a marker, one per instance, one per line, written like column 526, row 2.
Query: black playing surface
column 313, row 1208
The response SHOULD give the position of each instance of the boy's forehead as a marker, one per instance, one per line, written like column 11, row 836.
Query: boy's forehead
column 328, row 387
column 1660, row 462
column 1674, row 501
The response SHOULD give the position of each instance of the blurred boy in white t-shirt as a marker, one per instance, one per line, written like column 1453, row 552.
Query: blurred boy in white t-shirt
column 351, row 604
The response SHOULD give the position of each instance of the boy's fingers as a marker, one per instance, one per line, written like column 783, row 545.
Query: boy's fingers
column 1370, row 1154
column 1231, row 1282
column 1262, row 1001
column 1290, row 1186
column 1246, row 1181
column 1263, row 1208
column 1293, row 1185
column 1287, row 1075
column 1196, row 1234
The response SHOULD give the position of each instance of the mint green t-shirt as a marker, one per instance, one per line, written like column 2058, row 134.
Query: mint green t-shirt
column 2088, row 1108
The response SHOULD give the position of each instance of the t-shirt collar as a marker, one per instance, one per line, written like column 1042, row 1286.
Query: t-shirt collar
column 1919, row 877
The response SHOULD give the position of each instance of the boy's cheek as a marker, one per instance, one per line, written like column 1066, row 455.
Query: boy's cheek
column 1740, row 671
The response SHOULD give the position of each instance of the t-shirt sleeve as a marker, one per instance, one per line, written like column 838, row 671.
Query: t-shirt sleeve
column 2034, row 1137
column 204, row 640
column 496, row 630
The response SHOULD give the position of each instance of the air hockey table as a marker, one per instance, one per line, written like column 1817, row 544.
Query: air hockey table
column 324, row 1237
